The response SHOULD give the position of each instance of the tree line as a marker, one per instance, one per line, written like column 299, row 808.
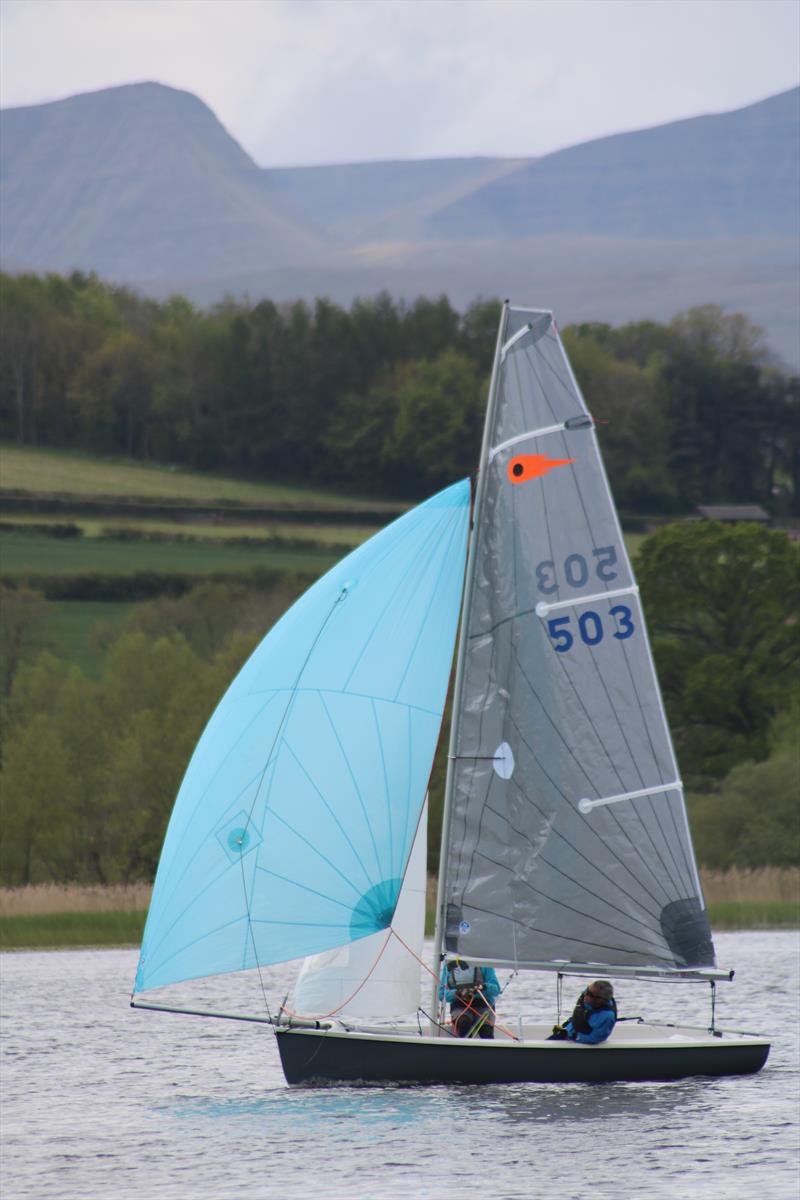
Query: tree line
column 91, row 766
column 385, row 397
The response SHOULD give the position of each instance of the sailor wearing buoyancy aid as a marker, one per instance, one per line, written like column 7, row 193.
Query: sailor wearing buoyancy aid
column 593, row 1017
column 471, row 993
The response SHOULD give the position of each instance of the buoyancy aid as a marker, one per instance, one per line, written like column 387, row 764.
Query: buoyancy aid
column 461, row 975
column 581, row 1014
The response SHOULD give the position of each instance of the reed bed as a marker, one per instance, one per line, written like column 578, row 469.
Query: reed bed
column 50, row 915
column 49, row 898
column 764, row 885
column 739, row 898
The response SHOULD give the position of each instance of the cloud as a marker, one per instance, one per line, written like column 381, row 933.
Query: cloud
column 312, row 81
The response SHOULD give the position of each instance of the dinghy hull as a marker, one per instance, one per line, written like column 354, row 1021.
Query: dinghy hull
column 328, row 1057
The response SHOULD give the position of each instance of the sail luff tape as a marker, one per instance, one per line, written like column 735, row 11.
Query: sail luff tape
column 586, row 806
column 543, row 608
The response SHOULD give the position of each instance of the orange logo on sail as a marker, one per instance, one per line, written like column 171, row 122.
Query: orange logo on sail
column 533, row 466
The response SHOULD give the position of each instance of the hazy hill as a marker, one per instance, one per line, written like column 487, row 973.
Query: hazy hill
column 716, row 176
column 725, row 175
column 362, row 202
column 144, row 185
column 138, row 182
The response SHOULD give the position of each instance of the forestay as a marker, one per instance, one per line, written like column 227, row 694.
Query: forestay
column 568, row 839
column 294, row 823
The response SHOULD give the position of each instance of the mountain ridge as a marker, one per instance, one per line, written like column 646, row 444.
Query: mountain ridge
column 135, row 181
column 636, row 182
column 143, row 184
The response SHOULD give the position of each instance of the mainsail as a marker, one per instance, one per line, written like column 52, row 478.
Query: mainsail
column 293, row 827
column 567, row 839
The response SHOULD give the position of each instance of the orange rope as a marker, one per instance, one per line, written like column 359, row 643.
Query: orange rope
column 467, row 1007
column 333, row 1012
column 392, row 933
column 421, row 961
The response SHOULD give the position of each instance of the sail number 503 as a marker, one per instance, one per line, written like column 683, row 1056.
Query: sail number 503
column 576, row 569
column 589, row 628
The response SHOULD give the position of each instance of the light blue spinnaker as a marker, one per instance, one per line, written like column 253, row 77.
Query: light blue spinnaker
column 293, row 826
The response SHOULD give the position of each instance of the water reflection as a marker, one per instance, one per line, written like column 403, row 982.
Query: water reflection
column 304, row 1110
column 580, row 1102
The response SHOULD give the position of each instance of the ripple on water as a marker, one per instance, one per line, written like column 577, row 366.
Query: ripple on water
column 101, row 1102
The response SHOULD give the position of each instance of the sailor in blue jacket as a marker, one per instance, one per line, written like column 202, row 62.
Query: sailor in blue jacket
column 593, row 1018
column 471, row 993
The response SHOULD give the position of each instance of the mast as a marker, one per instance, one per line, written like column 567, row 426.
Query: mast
column 441, row 889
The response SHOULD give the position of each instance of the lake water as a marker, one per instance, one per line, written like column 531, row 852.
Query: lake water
column 104, row 1103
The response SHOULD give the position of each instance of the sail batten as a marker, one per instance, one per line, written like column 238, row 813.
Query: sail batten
column 585, row 805
column 556, row 667
column 543, row 608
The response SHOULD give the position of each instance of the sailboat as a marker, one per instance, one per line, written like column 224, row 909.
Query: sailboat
column 565, row 844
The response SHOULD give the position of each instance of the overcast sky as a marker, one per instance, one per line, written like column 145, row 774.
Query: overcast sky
column 321, row 81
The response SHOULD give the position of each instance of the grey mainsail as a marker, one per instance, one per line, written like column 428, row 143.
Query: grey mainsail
column 566, row 839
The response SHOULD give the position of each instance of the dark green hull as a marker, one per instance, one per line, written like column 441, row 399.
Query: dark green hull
column 332, row 1057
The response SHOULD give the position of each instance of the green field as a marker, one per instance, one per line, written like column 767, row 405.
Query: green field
column 60, row 472
column 36, row 554
column 320, row 534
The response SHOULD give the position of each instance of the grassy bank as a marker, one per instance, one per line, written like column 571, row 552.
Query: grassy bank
column 51, row 931
column 768, row 898
column 64, row 472
column 56, row 916
column 754, row 914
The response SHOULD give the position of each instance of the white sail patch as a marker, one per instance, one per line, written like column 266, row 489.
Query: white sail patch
column 503, row 761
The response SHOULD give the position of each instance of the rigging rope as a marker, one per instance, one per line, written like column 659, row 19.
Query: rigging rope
column 339, row 1007
column 392, row 933
column 468, row 1007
